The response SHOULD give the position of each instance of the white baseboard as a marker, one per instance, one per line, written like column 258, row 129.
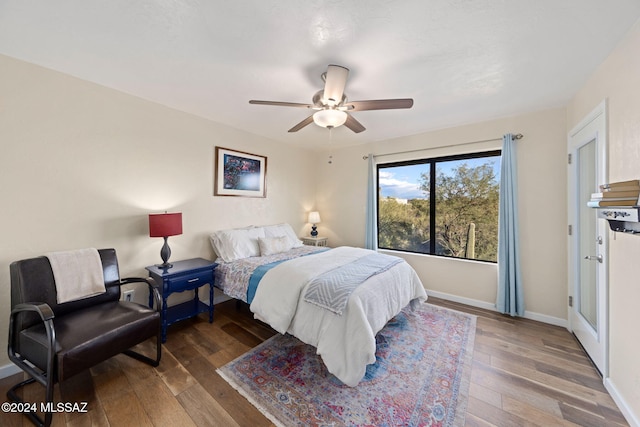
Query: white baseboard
column 489, row 306
column 8, row 370
column 632, row 419
column 546, row 319
column 217, row 299
column 462, row 300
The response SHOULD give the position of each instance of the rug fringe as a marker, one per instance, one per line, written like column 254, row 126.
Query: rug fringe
column 259, row 407
column 467, row 365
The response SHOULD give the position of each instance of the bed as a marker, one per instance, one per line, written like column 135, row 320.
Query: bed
column 333, row 299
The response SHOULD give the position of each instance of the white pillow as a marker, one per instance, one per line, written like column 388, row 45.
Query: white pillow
column 283, row 229
column 273, row 245
column 231, row 245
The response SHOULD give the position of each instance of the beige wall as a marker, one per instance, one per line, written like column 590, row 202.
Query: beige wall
column 542, row 204
column 618, row 81
column 82, row 166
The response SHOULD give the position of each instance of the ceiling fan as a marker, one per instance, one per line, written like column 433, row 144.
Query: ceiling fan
column 331, row 104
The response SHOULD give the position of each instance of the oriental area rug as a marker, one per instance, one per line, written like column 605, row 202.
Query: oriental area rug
column 420, row 377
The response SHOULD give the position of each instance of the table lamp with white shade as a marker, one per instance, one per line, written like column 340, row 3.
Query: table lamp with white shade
column 314, row 218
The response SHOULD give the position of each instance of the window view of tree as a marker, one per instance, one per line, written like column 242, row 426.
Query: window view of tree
column 462, row 192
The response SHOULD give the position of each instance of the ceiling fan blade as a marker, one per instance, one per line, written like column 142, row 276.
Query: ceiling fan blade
column 281, row 104
column 380, row 104
column 302, row 124
column 335, row 80
column 353, row 124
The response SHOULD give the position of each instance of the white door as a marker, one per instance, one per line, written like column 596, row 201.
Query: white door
column 588, row 287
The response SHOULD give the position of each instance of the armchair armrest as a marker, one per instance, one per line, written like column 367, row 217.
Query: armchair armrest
column 46, row 315
column 153, row 288
column 42, row 308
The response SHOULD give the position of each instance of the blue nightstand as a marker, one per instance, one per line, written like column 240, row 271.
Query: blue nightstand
column 187, row 275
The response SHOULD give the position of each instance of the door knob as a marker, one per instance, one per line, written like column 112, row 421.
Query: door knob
column 596, row 257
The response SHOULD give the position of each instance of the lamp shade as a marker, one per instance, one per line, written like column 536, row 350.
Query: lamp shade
column 165, row 224
column 329, row 118
column 314, row 217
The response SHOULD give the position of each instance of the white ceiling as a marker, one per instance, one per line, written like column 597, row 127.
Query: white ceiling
column 462, row 61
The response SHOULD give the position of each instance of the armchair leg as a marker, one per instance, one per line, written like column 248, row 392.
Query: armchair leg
column 33, row 417
column 146, row 359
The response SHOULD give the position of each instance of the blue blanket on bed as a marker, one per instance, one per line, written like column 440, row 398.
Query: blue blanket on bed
column 259, row 273
column 331, row 290
column 256, row 276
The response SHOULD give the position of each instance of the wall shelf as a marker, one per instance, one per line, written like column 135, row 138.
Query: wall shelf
column 622, row 219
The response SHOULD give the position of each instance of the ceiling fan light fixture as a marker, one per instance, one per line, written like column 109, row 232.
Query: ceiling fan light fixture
column 329, row 118
column 331, row 106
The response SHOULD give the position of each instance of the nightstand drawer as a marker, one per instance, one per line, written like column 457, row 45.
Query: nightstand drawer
column 186, row 282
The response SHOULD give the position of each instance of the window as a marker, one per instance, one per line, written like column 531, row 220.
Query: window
column 444, row 206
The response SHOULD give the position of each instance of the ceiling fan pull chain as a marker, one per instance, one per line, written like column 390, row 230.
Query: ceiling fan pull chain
column 330, row 145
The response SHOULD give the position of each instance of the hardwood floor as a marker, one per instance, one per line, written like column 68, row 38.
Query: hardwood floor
column 524, row 373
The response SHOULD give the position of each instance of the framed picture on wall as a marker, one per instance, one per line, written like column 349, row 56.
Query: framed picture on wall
column 239, row 174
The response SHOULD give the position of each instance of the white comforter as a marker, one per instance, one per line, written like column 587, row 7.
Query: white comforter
column 345, row 342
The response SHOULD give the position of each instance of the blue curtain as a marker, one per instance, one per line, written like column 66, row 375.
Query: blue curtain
column 371, row 230
column 510, row 299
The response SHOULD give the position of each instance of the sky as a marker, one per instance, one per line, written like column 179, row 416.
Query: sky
column 402, row 182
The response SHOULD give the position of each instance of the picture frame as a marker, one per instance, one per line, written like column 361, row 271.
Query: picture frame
column 237, row 173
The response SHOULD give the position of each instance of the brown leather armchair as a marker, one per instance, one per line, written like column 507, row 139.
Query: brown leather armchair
column 52, row 342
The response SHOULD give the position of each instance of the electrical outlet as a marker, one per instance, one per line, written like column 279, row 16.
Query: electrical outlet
column 128, row 295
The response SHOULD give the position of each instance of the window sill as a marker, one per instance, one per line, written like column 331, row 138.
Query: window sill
column 439, row 257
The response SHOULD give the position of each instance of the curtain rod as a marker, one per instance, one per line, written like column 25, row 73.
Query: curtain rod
column 517, row 136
